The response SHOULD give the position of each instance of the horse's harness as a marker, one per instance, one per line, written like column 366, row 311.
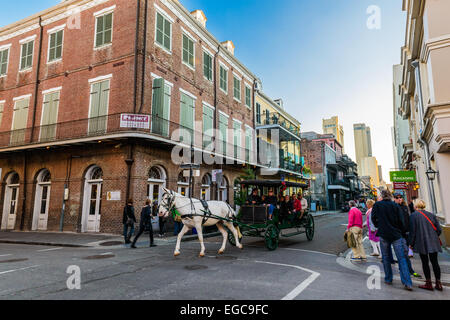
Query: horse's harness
column 207, row 214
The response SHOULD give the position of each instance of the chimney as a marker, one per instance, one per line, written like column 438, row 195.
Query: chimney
column 199, row 15
column 229, row 45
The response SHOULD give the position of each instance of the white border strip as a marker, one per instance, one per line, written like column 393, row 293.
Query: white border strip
column 101, row 78
column 188, row 34
column 224, row 114
column 28, row 39
column 188, row 93
column 104, row 11
column 205, row 104
column 164, row 13
column 155, row 76
column 6, row 46
column 22, row 97
column 56, row 29
column 51, row 90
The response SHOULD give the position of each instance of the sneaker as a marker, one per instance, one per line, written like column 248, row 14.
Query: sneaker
column 133, row 246
column 416, row 275
column 153, row 245
column 374, row 254
column 408, row 288
column 355, row 259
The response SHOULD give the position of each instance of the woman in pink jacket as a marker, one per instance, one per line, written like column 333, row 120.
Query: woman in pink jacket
column 355, row 225
column 374, row 240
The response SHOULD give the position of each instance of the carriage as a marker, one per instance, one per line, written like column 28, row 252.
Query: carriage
column 253, row 220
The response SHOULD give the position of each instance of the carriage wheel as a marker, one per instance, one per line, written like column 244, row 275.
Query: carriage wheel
column 232, row 239
column 271, row 237
column 310, row 228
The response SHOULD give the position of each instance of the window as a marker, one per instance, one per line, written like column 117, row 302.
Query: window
column 223, row 79
column 248, row 98
column 208, row 124
column 237, row 88
column 248, row 143
column 161, row 107
column 55, row 46
column 20, row 119
column 188, row 51
column 223, row 129
column 163, row 32
column 99, row 107
column 104, row 30
column 207, row 66
column 187, row 116
column 237, row 138
column 258, row 113
column 26, row 60
column 49, row 116
column 4, row 56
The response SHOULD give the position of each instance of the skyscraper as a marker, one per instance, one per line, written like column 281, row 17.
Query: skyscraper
column 363, row 142
column 332, row 126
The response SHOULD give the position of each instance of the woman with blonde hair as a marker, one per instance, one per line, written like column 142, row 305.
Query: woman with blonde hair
column 424, row 239
column 374, row 240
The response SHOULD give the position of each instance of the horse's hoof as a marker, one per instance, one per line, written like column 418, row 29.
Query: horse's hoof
column 221, row 251
column 241, row 247
column 176, row 254
column 201, row 255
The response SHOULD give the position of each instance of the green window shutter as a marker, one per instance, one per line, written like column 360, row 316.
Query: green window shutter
column 4, row 62
column 223, row 127
column 167, row 34
column 187, row 114
column 208, row 123
column 108, row 28
column 185, row 49
column 20, row 121
column 237, row 88
column 258, row 113
column 207, row 66
column 158, row 106
column 104, row 98
column 104, row 30
column 248, row 99
column 223, row 79
column 2, row 109
column 99, row 35
column 49, row 117
column 188, row 50
column 159, row 29
column 55, row 51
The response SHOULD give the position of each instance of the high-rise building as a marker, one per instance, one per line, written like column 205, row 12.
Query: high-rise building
column 363, row 142
column 369, row 167
column 332, row 126
column 380, row 173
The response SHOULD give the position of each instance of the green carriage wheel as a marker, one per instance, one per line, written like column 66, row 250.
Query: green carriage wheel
column 271, row 237
column 232, row 239
column 310, row 228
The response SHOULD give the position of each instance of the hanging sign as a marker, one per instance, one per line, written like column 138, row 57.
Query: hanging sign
column 134, row 121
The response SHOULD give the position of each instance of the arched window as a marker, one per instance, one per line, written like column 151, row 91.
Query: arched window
column 157, row 178
column 223, row 190
column 97, row 174
column 206, row 187
column 183, row 184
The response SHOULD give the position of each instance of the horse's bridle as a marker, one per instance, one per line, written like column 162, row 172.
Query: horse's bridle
column 170, row 201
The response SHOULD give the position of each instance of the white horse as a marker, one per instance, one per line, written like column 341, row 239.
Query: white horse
column 193, row 215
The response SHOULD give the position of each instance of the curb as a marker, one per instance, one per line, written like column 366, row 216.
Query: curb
column 53, row 244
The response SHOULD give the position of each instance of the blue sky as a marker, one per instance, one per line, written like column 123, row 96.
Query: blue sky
column 318, row 55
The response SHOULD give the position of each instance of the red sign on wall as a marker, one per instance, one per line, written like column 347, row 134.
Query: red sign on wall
column 400, row 186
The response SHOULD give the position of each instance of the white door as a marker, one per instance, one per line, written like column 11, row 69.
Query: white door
column 95, row 199
column 206, row 195
column 155, row 191
column 12, row 197
column 43, row 207
column 183, row 190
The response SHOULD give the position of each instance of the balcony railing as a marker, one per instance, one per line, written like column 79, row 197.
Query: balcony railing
column 282, row 122
column 110, row 125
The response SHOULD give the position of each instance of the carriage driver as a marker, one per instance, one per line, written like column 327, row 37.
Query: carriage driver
column 271, row 202
column 254, row 198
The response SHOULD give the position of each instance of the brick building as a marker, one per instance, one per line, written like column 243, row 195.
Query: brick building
column 93, row 94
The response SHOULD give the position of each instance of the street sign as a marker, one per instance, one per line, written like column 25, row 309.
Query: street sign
column 190, row 165
column 403, row 176
column 214, row 174
column 400, row 186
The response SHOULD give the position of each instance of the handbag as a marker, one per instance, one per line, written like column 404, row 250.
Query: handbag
column 435, row 229
column 130, row 222
column 350, row 239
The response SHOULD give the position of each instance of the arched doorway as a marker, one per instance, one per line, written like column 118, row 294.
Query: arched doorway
column 92, row 200
column 41, row 200
column 206, row 187
column 183, row 185
column 11, row 201
column 157, row 180
column 222, row 192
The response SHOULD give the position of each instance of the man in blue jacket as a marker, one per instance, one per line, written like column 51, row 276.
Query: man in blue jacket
column 387, row 217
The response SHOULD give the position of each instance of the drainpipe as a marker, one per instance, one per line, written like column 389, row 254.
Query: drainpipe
column 129, row 161
column 36, row 86
column 216, row 110
column 426, row 147
column 138, row 11
column 143, row 57
column 24, row 203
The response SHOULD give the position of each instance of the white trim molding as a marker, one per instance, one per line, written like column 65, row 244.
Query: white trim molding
column 101, row 78
column 188, row 93
column 51, row 90
column 224, row 114
column 5, row 46
column 104, row 11
column 28, row 39
column 208, row 105
column 189, row 34
column 164, row 13
column 155, row 76
column 56, row 29
column 27, row 96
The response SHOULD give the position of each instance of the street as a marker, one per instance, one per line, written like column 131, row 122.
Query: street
column 297, row 270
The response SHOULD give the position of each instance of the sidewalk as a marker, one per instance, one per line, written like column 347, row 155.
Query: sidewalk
column 444, row 262
column 83, row 240
column 324, row 213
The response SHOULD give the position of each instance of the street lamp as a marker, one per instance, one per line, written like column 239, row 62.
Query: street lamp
column 431, row 174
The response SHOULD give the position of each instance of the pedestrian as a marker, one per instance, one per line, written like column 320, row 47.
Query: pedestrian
column 386, row 216
column 145, row 223
column 411, row 204
column 129, row 219
column 398, row 199
column 178, row 225
column 162, row 217
column 355, row 225
column 374, row 240
column 424, row 240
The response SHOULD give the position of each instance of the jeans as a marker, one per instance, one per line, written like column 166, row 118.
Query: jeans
column 141, row 231
column 162, row 223
column 402, row 264
column 177, row 228
column 127, row 235
column 408, row 261
column 271, row 209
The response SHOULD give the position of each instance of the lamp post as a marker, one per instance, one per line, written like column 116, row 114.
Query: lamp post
column 431, row 174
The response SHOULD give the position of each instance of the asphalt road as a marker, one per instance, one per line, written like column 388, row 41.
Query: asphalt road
column 298, row 270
